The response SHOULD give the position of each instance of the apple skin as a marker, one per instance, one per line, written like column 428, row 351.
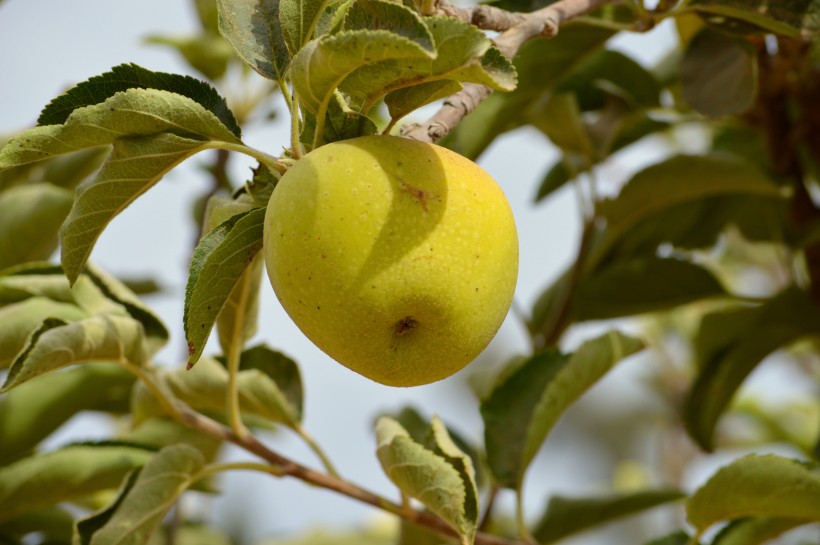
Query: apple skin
column 397, row 258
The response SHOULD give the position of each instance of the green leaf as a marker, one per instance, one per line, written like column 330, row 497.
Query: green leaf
column 144, row 500
column 718, row 74
column 429, row 477
column 682, row 179
column 787, row 17
column 30, row 217
column 592, row 360
column 341, row 123
column 566, row 516
column 560, row 119
column 730, row 344
column 283, row 371
column 219, row 262
column 57, row 344
column 158, row 433
column 130, row 76
column 52, row 523
column 204, row 387
column 757, row 486
column 323, row 64
column 298, row 20
column 609, row 68
column 513, row 399
column 207, row 53
column 676, row 538
column 32, row 411
column 754, row 530
column 66, row 474
column 253, row 28
column 636, row 286
column 19, row 320
column 155, row 331
column 403, row 101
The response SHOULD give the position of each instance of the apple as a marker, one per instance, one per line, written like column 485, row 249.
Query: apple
column 397, row 258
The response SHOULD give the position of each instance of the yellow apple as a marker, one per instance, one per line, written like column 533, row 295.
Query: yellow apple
column 397, row 258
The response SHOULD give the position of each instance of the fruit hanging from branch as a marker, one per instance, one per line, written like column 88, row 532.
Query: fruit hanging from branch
column 397, row 258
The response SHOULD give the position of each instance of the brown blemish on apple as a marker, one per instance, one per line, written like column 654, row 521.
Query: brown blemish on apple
column 405, row 325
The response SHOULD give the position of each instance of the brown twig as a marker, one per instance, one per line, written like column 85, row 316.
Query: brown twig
column 544, row 22
column 288, row 467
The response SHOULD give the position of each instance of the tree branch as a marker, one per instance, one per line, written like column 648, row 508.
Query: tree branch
column 288, row 467
column 525, row 27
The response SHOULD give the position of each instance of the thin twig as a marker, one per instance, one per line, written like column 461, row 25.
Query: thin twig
column 544, row 22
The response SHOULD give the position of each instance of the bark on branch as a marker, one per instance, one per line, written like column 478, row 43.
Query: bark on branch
column 517, row 29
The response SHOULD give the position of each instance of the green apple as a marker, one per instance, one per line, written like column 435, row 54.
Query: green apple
column 395, row 257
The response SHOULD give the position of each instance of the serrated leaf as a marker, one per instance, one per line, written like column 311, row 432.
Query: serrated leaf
column 253, row 28
column 204, row 387
column 426, row 476
column 458, row 459
column 30, row 217
column 585, row 367
column 754, row 530
column 32, row 411
column 787, row 17
column 19, row 320
column 58, row 344
column 757, row 485
column 322, row 64
column 298, row 20
column 144, row 501
column 566, row 516
column 123, row 77
column 718, row 74
column 513, row 399
column 731, row 344
column 403, row 101
column 218, row 264
column 65, row 474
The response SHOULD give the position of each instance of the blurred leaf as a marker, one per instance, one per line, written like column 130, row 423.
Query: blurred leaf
column 124, row 77
column 412, row 534
column 593, row 359
column 144, row 500
column 282, row 370
column 757, row 485
column 567, row 516
column 158, row 433
column 610, row 68
column 636, row 286
column 57, row 344
column 209, row 54
column 718, row 74
column 367, row 536
column 237, row 321
column 50, row 522
column 535, row 395
column 514, row 399
column 65, row 474
column 442, row 482
column 682, row 179
column 541, row 65
column 32, row 411
column 787, row 17
column 730, row 344
column 204, row 387
column 30, row 217
column 754, row 530
column 19, row 320
column 191, row 534
column 676, row 538
column 560, row 119
column 253, row 28
column 219, row 262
